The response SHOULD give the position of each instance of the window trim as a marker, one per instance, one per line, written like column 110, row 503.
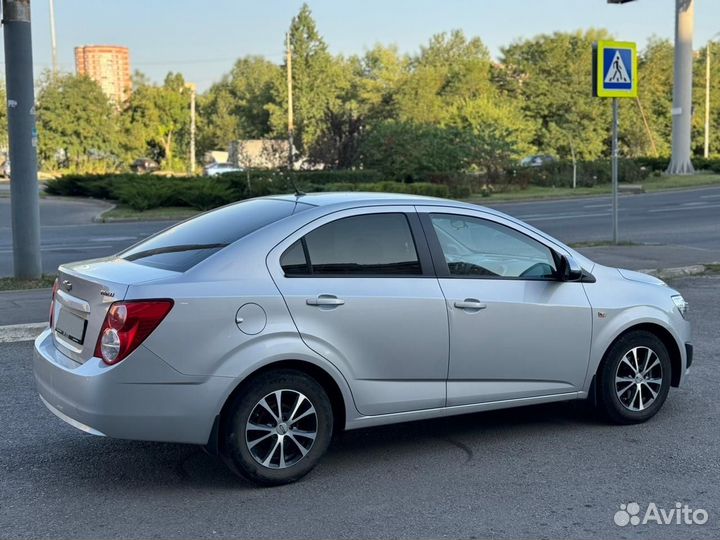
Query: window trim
column 438, row 257
column 417, row 234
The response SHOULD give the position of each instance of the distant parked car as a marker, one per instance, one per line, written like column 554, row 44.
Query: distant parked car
column 536, row 161
column 144, row 165
column 6, row 168
column 216, row 169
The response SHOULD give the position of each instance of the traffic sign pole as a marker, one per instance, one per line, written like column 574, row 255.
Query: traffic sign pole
column 614, row 166
column 615, row 76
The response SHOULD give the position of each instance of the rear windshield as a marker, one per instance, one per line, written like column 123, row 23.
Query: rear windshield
column 186, row 244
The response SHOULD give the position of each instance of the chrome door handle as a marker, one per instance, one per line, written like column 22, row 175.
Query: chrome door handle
column 325, row 300
column 470, row 303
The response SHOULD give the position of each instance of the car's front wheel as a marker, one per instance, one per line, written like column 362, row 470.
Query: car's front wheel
column 278, row 427
column 634, row 379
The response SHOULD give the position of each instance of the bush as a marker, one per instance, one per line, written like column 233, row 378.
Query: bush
column 143, row 192
column 204, row 193
column 143, row 196
column 560, row 174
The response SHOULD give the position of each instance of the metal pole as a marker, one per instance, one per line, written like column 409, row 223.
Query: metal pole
column 291, row 160
column 192, row 128
column 615, row 169
column 706, row 152
column 24, row 198
column 682, row 88
column 53, row 41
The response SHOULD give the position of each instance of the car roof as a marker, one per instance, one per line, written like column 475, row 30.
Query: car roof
column 350, row 199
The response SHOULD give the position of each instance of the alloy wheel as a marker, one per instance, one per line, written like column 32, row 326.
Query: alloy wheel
column 281, row 429
column 638, row 379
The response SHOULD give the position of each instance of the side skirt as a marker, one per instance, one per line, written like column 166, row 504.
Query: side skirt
column 425, row 414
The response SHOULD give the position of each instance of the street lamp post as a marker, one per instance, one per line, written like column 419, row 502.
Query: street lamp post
column 22, row 138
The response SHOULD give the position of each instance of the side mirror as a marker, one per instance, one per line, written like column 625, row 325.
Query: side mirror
column 569, row 269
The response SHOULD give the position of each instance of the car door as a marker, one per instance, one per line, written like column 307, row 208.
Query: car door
column 516, row 330
column 360, row 287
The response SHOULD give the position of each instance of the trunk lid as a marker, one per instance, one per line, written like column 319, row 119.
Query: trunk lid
column 85, row 292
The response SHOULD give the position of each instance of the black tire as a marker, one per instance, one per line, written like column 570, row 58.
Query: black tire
column 627, row 407
column 302, row 452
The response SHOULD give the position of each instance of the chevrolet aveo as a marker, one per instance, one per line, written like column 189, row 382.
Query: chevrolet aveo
column 261, row 328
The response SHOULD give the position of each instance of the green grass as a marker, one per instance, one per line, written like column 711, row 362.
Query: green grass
column 125, row 213
column 13, row 284
column 602, row 243
column 651, row 184
column 663, row 183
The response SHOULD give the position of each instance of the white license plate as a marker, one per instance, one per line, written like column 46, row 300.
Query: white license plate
column 71, row 326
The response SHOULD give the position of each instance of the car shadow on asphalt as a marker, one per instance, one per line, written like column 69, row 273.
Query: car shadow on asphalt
column 149, row 466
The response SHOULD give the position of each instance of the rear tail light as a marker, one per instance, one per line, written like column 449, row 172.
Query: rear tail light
column 52, row 301
column 126, row 326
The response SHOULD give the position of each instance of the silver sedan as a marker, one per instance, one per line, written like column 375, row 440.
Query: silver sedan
column 261, row 328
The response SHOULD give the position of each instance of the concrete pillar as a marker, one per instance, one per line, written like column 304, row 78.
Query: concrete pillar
column 682, row 88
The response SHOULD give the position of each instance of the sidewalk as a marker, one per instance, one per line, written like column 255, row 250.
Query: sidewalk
column 650, row 257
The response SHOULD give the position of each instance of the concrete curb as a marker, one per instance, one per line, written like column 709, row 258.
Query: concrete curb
column 98, row 218
column 681, row 271
column 21, row 332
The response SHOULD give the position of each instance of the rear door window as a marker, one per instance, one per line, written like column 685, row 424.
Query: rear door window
column 190, row 242
column 367, row 245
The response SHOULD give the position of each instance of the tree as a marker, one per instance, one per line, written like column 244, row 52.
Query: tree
column 655, row 71
column 550, row 77
column 495, row 132
column 448, row 69
column 159, row 117
column 406, row 151
column 77, row 124
column 3, row 117
column 698, row 119
column 316, row 77
column 237, row 106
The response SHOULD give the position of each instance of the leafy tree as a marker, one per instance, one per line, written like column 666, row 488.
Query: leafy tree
column 3, row 117
column 159, row 117
column 448, row 69
column 655, row 71
column 550, row 77
column 406, row 151
column 76, row 124
column 698, row 119
column 237, row 106
column 496, row 133
column 316, row 78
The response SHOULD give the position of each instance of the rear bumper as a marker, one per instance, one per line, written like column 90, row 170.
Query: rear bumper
column 140, row 398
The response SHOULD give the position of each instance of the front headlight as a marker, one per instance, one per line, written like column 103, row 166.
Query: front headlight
column 681, row 304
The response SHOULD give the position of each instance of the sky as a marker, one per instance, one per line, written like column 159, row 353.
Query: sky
column 201, row 39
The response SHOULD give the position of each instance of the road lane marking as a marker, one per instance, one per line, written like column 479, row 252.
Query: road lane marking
column 683, row 208
column 62, row 248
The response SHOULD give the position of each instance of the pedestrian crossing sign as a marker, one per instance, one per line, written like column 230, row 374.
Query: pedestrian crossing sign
column 615, row 69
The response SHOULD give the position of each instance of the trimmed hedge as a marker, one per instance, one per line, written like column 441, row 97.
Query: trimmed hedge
column 589, row 173
column 143, row 192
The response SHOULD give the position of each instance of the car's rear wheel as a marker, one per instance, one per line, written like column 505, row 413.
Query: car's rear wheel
column 634, row 379
column 278, row 427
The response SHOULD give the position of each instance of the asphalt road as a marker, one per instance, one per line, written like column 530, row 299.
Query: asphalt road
column 690, row 219
column 547, row 471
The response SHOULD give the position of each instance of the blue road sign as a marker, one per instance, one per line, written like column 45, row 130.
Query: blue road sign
column 616, row 73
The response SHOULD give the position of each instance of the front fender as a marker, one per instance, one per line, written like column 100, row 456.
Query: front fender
column 607, row 330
